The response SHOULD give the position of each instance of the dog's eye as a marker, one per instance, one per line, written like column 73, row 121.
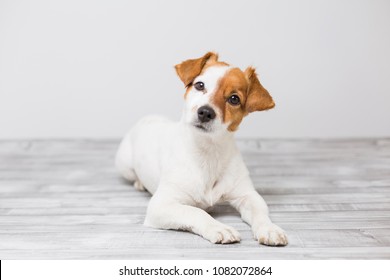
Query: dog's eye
column 234, row 100
column 199, row 86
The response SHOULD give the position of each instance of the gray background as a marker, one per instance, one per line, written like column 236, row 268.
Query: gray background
column 90, row 68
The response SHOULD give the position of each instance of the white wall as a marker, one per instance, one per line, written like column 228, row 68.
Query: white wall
column 88, row 68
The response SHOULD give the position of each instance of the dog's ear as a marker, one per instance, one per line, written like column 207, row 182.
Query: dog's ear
column 188, row 70
column 258, row 97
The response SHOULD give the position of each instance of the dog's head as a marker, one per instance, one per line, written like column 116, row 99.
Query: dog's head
column 218, row 96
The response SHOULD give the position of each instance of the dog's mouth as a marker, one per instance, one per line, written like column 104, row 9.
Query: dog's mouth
column 202, row 127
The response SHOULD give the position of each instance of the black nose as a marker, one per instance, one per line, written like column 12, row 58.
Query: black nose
column 206, row 114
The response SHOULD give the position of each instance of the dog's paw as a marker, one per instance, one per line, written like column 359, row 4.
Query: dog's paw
column 222, row 234
column 138, row 186
column 271, row 235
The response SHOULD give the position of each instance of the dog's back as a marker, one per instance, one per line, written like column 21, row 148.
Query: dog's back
column 140, row 147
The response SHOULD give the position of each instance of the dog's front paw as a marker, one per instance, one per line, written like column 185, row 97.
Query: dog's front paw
column 222, row 234
column 272, row 235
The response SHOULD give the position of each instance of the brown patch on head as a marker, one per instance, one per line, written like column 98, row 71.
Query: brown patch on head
column 188, row 70
column 234, row 82
column 253, row 96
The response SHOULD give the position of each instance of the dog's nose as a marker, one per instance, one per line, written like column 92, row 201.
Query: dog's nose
column 206, row 114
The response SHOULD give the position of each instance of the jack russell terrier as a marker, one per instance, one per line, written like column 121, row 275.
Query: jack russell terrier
column 191, row 165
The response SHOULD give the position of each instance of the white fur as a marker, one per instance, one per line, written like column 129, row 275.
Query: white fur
column 189, row 170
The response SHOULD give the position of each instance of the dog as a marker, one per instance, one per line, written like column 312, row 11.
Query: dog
column 194, row 164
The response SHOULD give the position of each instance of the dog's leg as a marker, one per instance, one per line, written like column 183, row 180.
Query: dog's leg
column 172, row 215
column 254, row 211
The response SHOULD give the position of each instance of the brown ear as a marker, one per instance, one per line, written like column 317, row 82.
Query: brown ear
column 258, row 97
column 188, row 70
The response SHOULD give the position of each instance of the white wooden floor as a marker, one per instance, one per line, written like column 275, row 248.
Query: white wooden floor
column 65, row 200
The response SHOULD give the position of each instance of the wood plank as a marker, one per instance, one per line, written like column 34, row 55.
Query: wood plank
column 63, row 199
column 218, row 252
